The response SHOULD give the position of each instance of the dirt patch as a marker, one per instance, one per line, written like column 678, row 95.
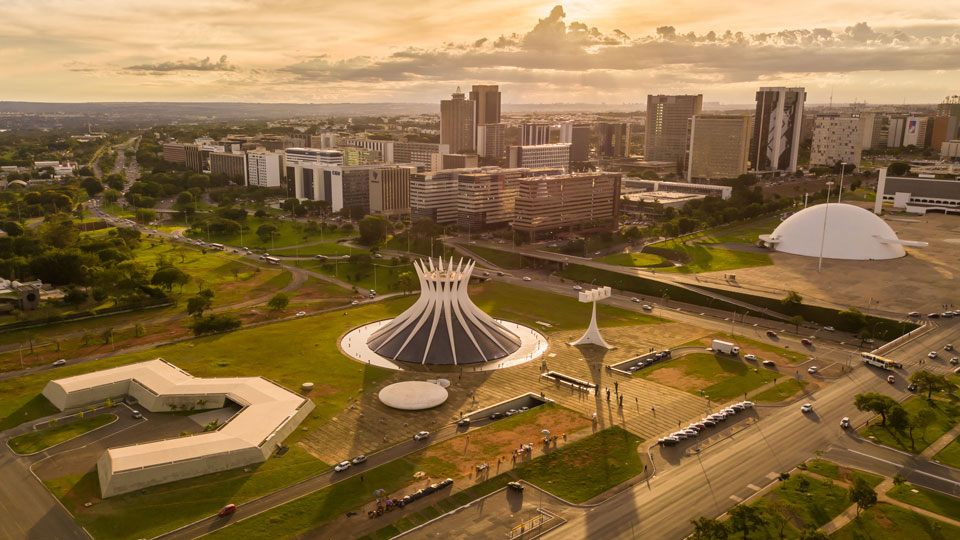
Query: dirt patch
column 676, row 378
column 485, row 446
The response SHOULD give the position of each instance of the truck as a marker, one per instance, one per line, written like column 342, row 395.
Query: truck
column 725, row 347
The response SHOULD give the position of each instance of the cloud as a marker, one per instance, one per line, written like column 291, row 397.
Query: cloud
column 188, row 65
column 575, row 53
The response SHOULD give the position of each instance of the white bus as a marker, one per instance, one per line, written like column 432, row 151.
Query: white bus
column 879, row 361
column 272, row 260
column 218, row 247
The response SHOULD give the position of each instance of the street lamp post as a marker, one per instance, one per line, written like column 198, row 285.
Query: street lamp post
column 843, row 166
column 823, row 234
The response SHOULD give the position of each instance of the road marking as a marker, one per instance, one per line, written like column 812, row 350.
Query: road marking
column 736, row 499
column 753, row 487
column 772, row 476
column 905, row 466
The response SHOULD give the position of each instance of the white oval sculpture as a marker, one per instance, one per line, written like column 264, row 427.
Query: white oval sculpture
column 443, row 326
column 413, row 395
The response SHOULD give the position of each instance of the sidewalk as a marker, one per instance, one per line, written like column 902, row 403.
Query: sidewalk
column 850, row 513
column 941, row 443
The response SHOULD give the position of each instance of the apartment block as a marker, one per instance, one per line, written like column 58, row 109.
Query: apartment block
column 565, row 203
column 233, row 166
column 174, row 153
column 390, row 191
column 543, row 155
column 718, row 146
column 836, row 139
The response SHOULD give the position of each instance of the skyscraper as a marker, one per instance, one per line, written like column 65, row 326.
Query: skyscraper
column 836, row 139
column 490, row 140
column 458, row 123
column 488, row 129
column 776, row 129
column 667, row 120
column 578, row 135
column 718, row 146
column 614, row 140
column 534, row 134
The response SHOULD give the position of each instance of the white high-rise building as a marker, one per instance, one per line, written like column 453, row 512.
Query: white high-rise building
column 540, row 156
column 534, row 134
column 836, row 139
column 313, row 155
column 490, row 140
column 776, row 133
column 264, row 169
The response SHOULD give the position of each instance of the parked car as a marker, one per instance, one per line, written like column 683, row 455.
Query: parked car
column 355, row 302
column 812, row 369
column 486, row 273
column 891, row 379
column 515, row 486
column 500, row 274
column 845, row 422
column 136, row 414
column 806, row 407
column 227, row 510
column 913, row 314
column 747, row 404
column 359, row 459
column 496, row 416
column 464, row 422
column 60, row 362
column 342, row 466
column 954, row 360
column 912, row 387
column 750, row 357
column 933, row 315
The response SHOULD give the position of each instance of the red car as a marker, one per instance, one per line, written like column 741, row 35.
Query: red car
column 806, row 342
column 227, row 510
column 771, row 333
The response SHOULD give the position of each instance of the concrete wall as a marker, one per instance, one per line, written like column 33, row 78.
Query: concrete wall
column 286, row 429
column 154, row 403
column 82, row 398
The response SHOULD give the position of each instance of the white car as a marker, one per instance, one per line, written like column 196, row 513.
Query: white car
column 932, row 354
column 812, row 369
column 948, row 347
column 342, row 466
column 527, row 278
column 806, row 407
column 828, row 328
column 355, row 302
column 750, row 357
column 301, row 314
column 747, row 404
column 421, row 436
column 647, row 308
column 60, row 362
column 577, row 288
column 635, row 300
column 845, row 422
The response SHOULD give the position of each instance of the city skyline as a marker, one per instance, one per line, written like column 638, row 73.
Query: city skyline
column 614, row 52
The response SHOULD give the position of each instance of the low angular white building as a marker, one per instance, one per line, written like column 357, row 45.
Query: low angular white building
column 268, row 414
column 837, row 231
column 444, row 326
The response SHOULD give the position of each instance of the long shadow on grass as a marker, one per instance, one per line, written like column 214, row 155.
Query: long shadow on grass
column 37, row 407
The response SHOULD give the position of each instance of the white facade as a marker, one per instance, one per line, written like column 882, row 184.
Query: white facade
column 264, row 169
column 836, row 139
column 540, row 156
column 317, row 182
column 384, row 147
column 268, row 415
column 776, row 137
column 313, row 155
column 490, row 140
column 534, row 134
column 950, row 149
column 915, row 131
column 837, row 231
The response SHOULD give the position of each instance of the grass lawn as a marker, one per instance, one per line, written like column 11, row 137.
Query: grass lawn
column 527, row 306
column 805, row 501
column 844, row 474
column 927, row 499
column 632, row 259
column 147, row 513
column 720, row 378
column 701, row 258
column 586, row 468
column 950, row 455
column 44, row 438
column 889, row 522
column 290, row 233
column 746, row 343
column 781, row 391
column 948, row 415
column 362, row 275
column 503, row 259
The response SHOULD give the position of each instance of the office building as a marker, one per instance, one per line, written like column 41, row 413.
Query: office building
column 486, row 199
column 613, row 140
column 359, row 156
column 775, row 141
column 456, row 161
column 950, row 106
column 434, row 195
column 233, row 166
column 490, row 140
column 195, row 157
column 418, row 153
column 264, row 169
column 668, row 118
column 896, row 127
column 385, row 148
column 534, row 134
column 950, row 150
column 458, row 122
column 578, row 136
column 174, row 153
column 918, row 195
column 945, row 128
column 915, row 132
column 542, row 155
column 871, row 130
column 323, row 140
column 566, row 203
column 487, row 100
column 836, row 139
column 390, row 191
column 718, row 146
column 313, row 155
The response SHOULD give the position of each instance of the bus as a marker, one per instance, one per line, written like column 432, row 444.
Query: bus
column 879, row 361
column 218, row 247
column 272, row 260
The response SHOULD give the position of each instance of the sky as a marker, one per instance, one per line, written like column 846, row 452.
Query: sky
column 335, row 51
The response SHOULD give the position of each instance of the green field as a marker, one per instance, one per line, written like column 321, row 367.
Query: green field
column 46, row 437
column 844, row 474
column 586, row 468
column 810, row 502
column 634, row 259
column 386, row 279
column 888, row 522
column 720, row 378
column 950, row 455
column 927, row 499
column 290, row 233
column 948, row 415
column 781, row 391
column 698, row 256
column 503, row 259
column 745, row 342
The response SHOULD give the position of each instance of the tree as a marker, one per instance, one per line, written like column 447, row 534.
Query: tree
column 899, row 419
column 12, row 228
column 199, row 303
column 75, row 296
column 930, row 382
column 184, row 198
column 920, row 421
column 279, row 302
column 92, row 186
column 852, row 320
column 898, row 168
column 796, row 321
column 706, row 528
column 169, row 276
column 792, row 298
column 876, row 403
column 744, row 518
column 214, row 323
column 899, row 480
column 780, row 515
column 862, row 494
column 267, row 231
column 373, row 230
column 811, row 533
column 406, row 281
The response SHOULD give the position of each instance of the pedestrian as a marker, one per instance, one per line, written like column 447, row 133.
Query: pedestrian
column 637, row 400
column 361, row 478
column 616, row 387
